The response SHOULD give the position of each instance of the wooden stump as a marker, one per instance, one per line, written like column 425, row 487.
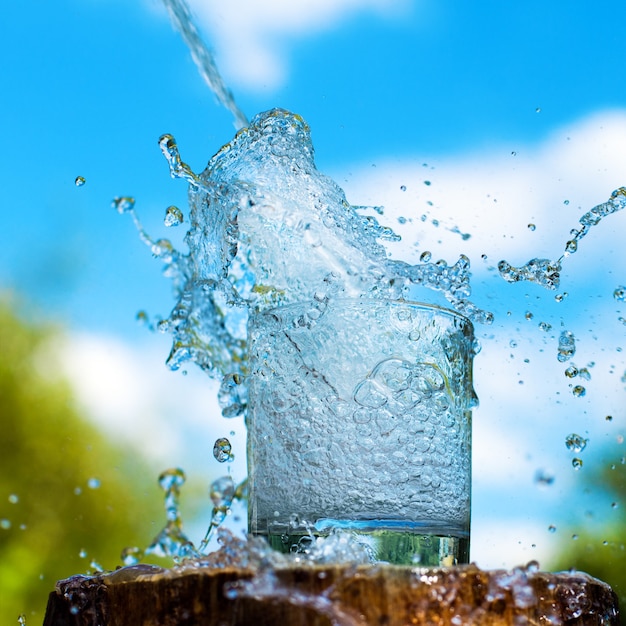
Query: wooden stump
column 342, row 595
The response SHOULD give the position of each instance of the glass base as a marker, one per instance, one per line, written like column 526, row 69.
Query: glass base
column 397, row 546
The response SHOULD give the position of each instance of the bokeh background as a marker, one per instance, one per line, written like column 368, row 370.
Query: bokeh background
column 483, row 128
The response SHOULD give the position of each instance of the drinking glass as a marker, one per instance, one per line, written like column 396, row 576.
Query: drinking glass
column 359, row 419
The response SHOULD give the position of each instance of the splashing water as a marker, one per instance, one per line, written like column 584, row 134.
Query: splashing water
column 547, row 273
column 268, row 228
column 171, row 541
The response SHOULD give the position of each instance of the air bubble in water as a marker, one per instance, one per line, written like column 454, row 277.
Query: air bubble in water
column 545, row 326
column 79, row 181
column 579, row 391
column 567, row 346
column 532, row 227
column 5, row 524
column 21, row 620
column 173, row 216
column 14, row 498
column 552, row 528
column 93, row 483
column 402, row 187
column 620, row 293
column 577, row 463
column 576, row 443
column 571, row 371
column 425, row 256
column 222, row 450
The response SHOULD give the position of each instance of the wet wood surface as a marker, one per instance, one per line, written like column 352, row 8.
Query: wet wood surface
column 380, row 595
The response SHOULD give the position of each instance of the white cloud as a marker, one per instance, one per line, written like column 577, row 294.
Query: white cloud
column 169, row 418
column 494, row 194
column 250, row 37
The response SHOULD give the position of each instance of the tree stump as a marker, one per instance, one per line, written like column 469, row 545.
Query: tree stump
column 324, row 595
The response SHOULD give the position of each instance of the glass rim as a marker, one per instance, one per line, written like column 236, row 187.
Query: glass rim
column 441, row 310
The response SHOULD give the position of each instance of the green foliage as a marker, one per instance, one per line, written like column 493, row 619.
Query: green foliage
column 52, row 511
column 600, row 545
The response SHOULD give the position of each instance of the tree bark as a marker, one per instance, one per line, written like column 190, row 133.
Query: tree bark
column 341, row 595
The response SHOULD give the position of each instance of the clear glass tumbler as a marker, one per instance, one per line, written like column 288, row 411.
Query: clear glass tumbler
column 360, row 419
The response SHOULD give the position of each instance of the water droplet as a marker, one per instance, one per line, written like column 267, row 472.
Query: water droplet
column 178, row 168
column 567, row 346
column 232, row 395
column 577, row 463
column 584, row 373
column 14, row 499
column 565, row 202
column 545, row 327
column 620, row 293
column 427, row 183
column 512, row 343
column 575, row 537
column 513, row 153
column 402, row 187
column 222, row 491
column 620, row 439
column 552, row 528
column 93, row 483
column 123, row 204
column 614, row 505
column 425, row 256
column 609, row 418
column 543, row 478
column 79, row 181
column 538, row 110
column 571, row 246
column 21, row 620
column 561, row 296
column 172, row 478
column 579, row 391
column 528, row 315
column 222, row 450
column 532, row 227
column 77, row 491
column 131, row 555
column 173, row 216
column 576, row 443
column 82, row 553
column 571, row 371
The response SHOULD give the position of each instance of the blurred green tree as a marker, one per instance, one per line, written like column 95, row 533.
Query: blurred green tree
column 598, row 544
column 67, row 495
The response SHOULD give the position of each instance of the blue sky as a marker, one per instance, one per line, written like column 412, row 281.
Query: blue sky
column 518, row 110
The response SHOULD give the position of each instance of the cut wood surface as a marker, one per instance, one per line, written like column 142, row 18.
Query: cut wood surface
column 341, row 595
